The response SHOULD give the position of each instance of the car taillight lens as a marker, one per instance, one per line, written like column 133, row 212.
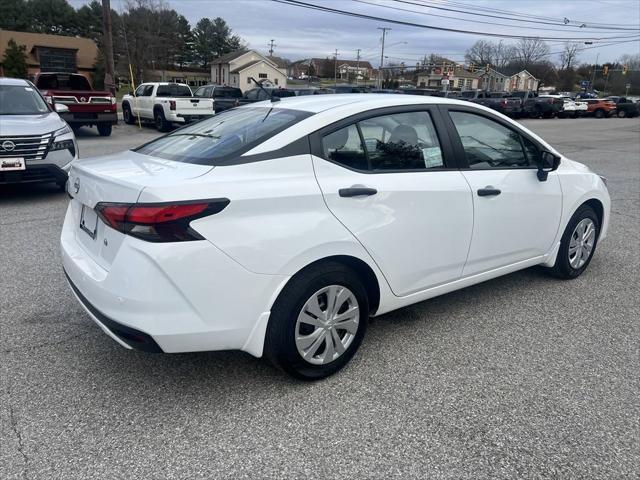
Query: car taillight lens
column 159, row 222
column 504, row 103
column 172, row 104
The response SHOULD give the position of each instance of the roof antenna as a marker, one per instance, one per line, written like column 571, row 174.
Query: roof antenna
column 273, row 97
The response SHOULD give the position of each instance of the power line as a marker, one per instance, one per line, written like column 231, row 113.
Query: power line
column 501, row 17
column 466, row 19
column 311, row 6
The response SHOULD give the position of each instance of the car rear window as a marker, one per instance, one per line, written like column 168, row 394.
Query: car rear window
column 62, row 81
column 224, row 136
column 173, row 91
column 227, row 93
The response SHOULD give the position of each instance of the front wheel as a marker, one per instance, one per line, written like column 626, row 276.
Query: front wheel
column 104, row 129
column 599, row 114
column 622, row 113
column 127, row 115
column 578, row 244
column 318, row 322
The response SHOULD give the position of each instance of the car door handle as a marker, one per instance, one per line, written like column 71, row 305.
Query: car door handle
column 357, row 191
column 488, row 191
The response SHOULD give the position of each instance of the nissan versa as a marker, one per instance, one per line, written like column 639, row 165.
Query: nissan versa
column 280, row 227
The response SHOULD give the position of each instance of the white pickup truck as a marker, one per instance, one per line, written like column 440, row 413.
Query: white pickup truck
column 165, row 104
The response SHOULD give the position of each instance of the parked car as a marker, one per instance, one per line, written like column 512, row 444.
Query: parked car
column 625, row 107
column 223, row 97
column 495, row 100
column 86, row 106
column 164, row 104
column 535, row 106
column 277, row 229
column 600, row 107
column 36, row 144
column 570, row 108
column 260, row 94
column 349, row 89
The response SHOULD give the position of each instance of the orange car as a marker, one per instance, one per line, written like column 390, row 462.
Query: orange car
column 599, row 107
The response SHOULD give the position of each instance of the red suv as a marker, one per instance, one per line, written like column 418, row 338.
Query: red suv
column 86, row 105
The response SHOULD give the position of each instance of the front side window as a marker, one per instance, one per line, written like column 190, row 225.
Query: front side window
column 140, row 90
column 222, row 137
column 400, row 141
column 199, row 92
column 488, row 144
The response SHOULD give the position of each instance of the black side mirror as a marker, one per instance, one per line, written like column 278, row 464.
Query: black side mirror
column 548, row 162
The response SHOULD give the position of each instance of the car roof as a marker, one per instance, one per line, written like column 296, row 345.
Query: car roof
column 365, row 101
column 14, row 81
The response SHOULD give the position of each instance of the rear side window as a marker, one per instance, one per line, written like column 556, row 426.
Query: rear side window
column 227, row 93
column 173, row 90
column 224, row 136
column 396, row 142
column 62, row 81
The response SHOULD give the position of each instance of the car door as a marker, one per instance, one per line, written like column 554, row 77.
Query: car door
column 516, row 216
column 390, row 178
column 137, row 99
column 146, row 101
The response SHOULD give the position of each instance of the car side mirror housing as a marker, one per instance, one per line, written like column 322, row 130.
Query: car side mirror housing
column 61, row 108
column 131, row 93
column 548, row 162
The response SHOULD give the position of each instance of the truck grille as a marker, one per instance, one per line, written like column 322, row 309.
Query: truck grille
column 71, row 100
column 31, row 147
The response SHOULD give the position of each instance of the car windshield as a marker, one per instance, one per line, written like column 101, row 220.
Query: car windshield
column 21, row 100
column 173, row 90
column 62, row 81
column 224, row 136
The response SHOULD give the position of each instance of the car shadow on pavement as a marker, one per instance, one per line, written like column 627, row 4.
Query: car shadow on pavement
column 30, row 191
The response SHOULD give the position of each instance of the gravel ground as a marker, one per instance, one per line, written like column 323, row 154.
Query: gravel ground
column 520, row 377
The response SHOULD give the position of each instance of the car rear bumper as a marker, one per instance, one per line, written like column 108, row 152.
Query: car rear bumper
column 185, row 296
column 85, row 118
column 38, row 173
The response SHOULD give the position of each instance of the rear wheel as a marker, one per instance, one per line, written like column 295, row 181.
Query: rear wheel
column 578, row 244
column 622, row 113
column 318, row 322
column 536, row 112
column 104, row 129
column 599, row 113
column 161, row 123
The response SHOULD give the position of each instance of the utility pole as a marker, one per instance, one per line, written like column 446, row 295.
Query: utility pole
column 357, row 64
column 593, row 76
column 107, row 39
column 335, row 68
column 384, row 33
column 271, row 45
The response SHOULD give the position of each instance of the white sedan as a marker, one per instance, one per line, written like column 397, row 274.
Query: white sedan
column 279, row 228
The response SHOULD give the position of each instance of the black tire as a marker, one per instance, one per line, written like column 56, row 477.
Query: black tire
column 599, row 113
column 104, row 129
column 161, row 122
column 536, row 112
column 562, row 268
column 280, row 346
column 129, row 119
column 622, row 113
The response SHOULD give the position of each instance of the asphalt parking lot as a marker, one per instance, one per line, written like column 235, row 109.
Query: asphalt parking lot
column 524, row 376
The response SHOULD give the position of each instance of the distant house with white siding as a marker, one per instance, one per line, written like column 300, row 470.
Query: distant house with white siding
column 236, row 69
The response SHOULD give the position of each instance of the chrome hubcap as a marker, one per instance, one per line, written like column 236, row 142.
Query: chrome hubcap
column 581, row 244
column 327, row 324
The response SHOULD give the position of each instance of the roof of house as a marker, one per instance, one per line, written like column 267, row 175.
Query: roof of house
column 252, row 63
column 279, row 61
column 86, row 49
column 227, row 57
column 511, row 71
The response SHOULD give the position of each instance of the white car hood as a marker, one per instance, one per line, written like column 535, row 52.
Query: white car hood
column 14, row 125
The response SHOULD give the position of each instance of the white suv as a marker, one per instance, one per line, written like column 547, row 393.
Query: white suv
column 36, row 145
column 279, row 228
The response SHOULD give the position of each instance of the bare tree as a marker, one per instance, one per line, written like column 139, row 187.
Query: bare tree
column 530, row 51
column 480, row 53
column 503, row 54
column 569, row 56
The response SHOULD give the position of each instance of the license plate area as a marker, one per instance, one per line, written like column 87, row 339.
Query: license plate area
column 89, row 221
column 9, row 164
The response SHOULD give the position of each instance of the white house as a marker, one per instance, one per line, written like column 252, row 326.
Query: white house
column 236, row 69
column 522, row 80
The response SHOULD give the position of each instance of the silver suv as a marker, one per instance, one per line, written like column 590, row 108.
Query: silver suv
column 36, row 145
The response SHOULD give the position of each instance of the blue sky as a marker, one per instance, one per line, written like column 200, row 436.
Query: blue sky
column 300, row 33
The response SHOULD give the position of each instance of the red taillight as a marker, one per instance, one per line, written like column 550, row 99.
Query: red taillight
column 172, row 104
column 504, row 103
column 159, row 222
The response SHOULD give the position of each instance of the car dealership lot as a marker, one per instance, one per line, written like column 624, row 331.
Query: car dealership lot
column 520, row 376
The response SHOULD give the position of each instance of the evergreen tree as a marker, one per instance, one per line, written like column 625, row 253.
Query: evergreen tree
column 14, row 61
